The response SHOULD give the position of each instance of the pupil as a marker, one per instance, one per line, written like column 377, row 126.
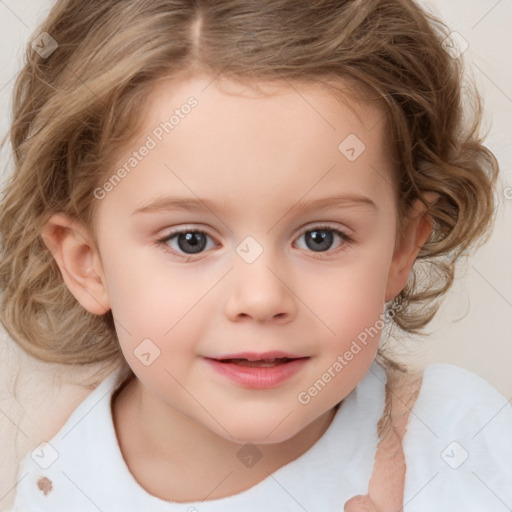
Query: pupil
column 322, row 239
column 191, row 242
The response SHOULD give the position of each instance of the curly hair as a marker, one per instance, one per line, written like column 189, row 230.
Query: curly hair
column 75, row 109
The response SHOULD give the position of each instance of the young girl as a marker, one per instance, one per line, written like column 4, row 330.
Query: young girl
column 232, row 200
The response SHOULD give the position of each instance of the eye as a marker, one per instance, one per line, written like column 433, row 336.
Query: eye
column 321, row 238
column 188, row 241
column 192, row 241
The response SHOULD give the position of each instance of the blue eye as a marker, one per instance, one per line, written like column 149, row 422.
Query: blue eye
column 189, row 242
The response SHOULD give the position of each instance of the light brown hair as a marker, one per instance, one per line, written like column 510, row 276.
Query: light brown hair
column 74, row 110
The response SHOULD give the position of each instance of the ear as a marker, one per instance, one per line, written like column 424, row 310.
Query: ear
column 79, row 262
column 416, row 232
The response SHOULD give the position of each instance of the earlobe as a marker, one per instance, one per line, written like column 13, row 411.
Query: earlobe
column 416, row 233
column 78, row 259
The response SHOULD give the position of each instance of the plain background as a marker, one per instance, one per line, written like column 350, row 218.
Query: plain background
column 473, row 327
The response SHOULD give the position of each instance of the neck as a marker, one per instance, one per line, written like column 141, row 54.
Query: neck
column 177, row 459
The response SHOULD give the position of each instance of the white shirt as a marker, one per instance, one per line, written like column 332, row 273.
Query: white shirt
column 458, row 451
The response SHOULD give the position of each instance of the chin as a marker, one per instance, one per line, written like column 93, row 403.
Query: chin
column 267, row 432
column 261, row 438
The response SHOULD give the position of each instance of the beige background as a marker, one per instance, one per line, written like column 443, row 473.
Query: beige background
column 472, row 330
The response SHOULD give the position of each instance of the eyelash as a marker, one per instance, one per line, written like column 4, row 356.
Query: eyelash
column 346, row 240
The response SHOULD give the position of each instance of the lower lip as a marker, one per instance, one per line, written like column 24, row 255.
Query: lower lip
column 258, row 377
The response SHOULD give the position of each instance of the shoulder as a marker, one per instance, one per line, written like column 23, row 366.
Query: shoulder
column 450, row 393
column 47, row 474
column 455, row 401
column 440, row 374
column 458, row 442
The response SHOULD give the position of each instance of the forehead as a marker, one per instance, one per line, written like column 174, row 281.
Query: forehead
column 275, row 141
column 306, row 109
column 325, row 99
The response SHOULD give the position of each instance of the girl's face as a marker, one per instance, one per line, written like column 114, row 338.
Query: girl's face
column 244, row 225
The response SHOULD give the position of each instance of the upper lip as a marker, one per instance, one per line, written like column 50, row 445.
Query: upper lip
column 255, row 356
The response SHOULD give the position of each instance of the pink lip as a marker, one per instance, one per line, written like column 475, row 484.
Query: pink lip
column 258, row 377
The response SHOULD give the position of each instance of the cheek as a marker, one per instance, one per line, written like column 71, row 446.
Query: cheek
column 142, row 287
column 156, row 301
column 359, row 288
column 355, row 305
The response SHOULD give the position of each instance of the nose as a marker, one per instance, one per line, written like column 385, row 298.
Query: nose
column 260, row 292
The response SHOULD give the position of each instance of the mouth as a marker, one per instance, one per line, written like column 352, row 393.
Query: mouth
column 258, row 371
column 262, row 359
column 260, row 363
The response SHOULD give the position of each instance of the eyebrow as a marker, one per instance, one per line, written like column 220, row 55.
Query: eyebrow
column 164, row 204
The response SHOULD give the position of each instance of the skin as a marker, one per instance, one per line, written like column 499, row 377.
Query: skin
column 255, row 157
